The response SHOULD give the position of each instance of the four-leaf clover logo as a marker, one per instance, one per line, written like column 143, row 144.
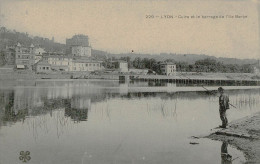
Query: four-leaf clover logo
column 24, row 156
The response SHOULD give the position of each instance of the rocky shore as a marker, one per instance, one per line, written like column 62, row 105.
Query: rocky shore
column 244, row 134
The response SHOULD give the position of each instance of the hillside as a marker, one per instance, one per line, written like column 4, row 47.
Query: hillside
column 11, row 37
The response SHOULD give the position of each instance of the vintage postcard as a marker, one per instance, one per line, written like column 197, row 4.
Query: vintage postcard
column 129, row 81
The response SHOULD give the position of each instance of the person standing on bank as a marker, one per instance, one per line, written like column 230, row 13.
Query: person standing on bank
column 223, row 107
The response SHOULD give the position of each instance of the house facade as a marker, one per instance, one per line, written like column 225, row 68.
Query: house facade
column 168, row 68
column 76, row 64
column 24, row 57
column 81, row 51
column 58, row 62
column 85, row 65
column 43, row 67
column 121, row 65
column 39, row 51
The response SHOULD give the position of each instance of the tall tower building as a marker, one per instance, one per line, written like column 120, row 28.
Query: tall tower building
column 78, row 45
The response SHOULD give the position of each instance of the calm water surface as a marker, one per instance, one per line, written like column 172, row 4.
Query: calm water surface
column 98, row 122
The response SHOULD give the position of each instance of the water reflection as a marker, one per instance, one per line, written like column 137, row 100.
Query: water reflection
column 185, row 82
column 77, row 108
column 11, row 113
column 85, row 122
column 18, row 103
column 225, row 157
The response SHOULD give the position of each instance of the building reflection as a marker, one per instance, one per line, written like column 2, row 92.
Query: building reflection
column 77, row 108
column 18, row 103
column 9, row 113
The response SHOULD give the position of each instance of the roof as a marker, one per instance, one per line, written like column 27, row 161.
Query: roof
column 43, row 62
column 55, row 56
column 77, row 45
column 87, row 61
column 20, row 66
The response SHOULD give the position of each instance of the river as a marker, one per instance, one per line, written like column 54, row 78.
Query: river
column 97, row 121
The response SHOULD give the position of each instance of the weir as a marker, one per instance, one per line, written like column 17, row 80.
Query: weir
column 188, row 81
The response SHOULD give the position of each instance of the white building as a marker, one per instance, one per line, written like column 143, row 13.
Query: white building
column 81, row 51
column 37, row 58
column 58, row 62
column 122, row 66
column 39, row 51
column 85, row 65
column 43, row 67
column 66, row 63
column 168, row 69
column 256, row 70
column 24, row 56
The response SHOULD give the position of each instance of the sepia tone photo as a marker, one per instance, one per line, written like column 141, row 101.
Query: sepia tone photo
column 129, row 81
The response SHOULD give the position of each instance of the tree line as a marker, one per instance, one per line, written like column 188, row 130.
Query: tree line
column 204, row 65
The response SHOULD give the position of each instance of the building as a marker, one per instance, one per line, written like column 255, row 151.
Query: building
column 77, row 108
column 24, row 57
column 58, row 62
column 256, row 68
column 37, row 58
column 39, row 51
column 43, row 67
column 74, row 64
column 168, row 68
column 122, row 66
column 85, row 65
column 84, row 51
column 78, row 45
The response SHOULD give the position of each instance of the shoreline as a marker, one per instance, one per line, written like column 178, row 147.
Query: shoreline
column 124, row 87
column 244, row 134
column 22, row 74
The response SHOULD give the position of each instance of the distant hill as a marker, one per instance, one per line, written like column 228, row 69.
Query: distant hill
column 11, row 37
column 188, row 58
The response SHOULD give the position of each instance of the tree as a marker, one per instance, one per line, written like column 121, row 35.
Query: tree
column 2, row 58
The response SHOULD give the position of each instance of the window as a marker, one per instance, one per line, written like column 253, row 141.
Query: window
column 43, row 68
column 89, row 64
column 93, row 64
column 47, row 68
column 86, row 65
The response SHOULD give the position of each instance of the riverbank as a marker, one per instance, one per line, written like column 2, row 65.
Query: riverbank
column 10, row 74
column 244, row 134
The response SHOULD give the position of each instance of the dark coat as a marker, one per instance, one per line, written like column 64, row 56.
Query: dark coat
column 224, row 102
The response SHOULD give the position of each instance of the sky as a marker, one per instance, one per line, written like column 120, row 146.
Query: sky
column 118, row 26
